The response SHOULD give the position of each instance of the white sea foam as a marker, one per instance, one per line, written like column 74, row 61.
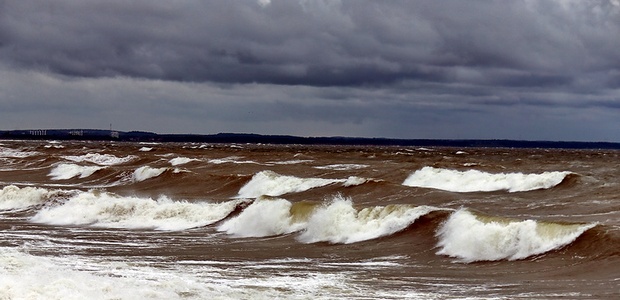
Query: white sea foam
column 145, row 149
column 263, row 218
column 335, row 222
column 342, row 167
column 231, row 160
column 145, row 172
column 68, row 171
column 269, row 183
column 181, row 161
column 12, row 197
column 100, row 159
column 13, row 153
column 290, row 162
column 477, row 181
column 472, row 238
column 107, row 210
column 354, row 180
column 26, row 276
column 340, row 222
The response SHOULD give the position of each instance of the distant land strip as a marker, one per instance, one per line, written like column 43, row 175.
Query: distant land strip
column 141, row 136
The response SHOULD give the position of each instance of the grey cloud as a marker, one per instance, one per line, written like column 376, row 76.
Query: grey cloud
column 442, row 69
column 317, row 43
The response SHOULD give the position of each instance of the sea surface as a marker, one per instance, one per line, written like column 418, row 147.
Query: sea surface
column 120, row 220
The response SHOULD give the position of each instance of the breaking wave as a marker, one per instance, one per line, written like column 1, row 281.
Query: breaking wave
column 13, row 197
column 264, row 217
column 108, row 210
column 336, row 222
column 342, row 167
column 181, row 161
column 471, row 237
column 145, row 172
column 269, row 183
column 101, row 159
column 68, row 171
column 477, row 181
column 339, row 222
column 12, row 153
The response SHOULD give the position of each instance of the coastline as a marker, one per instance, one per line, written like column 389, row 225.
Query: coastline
column 142, row 136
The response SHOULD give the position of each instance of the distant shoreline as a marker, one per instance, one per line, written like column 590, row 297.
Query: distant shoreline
column 141, row 136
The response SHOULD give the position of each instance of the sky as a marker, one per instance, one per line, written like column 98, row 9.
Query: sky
column 452, row 69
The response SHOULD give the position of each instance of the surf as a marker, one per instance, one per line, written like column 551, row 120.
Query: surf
column 473, row 237
column 102, row 209
column 478, row 181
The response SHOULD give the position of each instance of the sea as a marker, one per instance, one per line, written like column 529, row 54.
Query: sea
column 129, row 220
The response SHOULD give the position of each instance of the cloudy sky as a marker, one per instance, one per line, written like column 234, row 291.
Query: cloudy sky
column 519, row 69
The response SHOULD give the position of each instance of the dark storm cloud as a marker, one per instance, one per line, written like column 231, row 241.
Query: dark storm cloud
column 317, row 43
column 539, row 69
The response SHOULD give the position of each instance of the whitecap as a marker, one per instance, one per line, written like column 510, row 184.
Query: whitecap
column 13, row 197
column 477, row 238
column 101, row 159
column 264, row 217
column 340, row 222
column 108, row 210
column 12, row 153
column 181, row 161
column 478, row 181
column 342, row 167
column 270, row 183
column 68, row 171
column 145, row 172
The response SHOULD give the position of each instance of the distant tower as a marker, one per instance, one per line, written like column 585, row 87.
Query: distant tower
column 113, row 134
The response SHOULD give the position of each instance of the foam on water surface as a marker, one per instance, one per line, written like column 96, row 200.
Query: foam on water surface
column 340, row 222
column 13, row 197
column 26, row 276
column 108, row 210
column 101, row 159
column 471, row 237
column 68, row 171
column 478, row 181
column 181, row 161
column 336, row 221
column 269, row 183
column 145, row 172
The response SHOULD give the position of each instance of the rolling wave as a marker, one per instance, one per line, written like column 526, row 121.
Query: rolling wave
column 181, row 161
column 269, row 183
column 478, row 181
column 100, row 159
column 474, row 237
column 68, row 171
column 461, row 234
column 13, row 153
column 109, row 210
column 145, row 172
column 340, row 223
column 336, row 222
column 13, row 197
column 264, row 217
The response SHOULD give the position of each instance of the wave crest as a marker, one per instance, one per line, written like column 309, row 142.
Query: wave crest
column 269, row 183
column 340, row 222
column 68, row 171
column 13, row 197
column 108, row 210
column 101, row 159
column 472, row 237
column 478, row 181
column 145, row 172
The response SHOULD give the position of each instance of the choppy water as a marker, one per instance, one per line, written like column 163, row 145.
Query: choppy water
column 100, row 220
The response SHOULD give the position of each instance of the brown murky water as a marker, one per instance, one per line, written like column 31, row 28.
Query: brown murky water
column 105, row 220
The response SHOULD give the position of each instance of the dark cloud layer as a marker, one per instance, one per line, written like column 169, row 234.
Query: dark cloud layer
column 322, row 43
column 380, row 64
